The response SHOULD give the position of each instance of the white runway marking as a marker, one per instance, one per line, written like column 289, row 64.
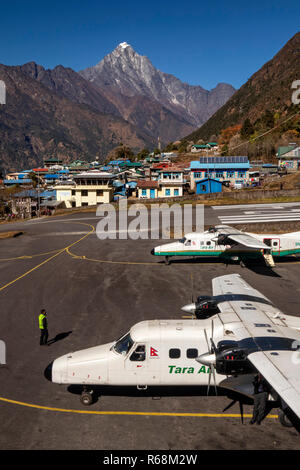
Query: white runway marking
column 257, row 206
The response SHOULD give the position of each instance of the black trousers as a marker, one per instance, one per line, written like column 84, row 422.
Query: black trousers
column 260, row 406
column 44, row 336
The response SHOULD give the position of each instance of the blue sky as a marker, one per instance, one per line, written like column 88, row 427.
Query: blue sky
column 201, row 43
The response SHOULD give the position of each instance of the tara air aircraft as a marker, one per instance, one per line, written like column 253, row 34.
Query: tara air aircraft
column 231, row 244
column 248, row 334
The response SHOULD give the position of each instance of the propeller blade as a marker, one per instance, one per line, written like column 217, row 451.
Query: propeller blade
column 206, row 338
column 242, row 411
column 233, row 402
column 215, row 382
column 209, row 379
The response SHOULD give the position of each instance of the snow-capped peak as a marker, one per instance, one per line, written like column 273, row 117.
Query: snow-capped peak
column 123, row 45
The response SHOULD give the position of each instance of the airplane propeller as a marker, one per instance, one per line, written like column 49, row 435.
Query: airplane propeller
column 209, row 359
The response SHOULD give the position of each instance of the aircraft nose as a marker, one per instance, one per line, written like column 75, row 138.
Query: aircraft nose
column 189, row 308
column 48, row 371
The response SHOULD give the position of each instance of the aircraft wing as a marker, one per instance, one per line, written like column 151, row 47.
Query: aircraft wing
column 281, row 370
column 251, row 319
column 242, row 238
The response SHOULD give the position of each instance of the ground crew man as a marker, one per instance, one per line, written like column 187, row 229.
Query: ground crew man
column 260, row 399
column 43, row 325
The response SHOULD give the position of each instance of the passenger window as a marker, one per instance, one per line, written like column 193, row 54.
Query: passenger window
column 174, row 353
column 191, row 353
column 139, row 354
column 202, row 243
column 275, row 243
column 188, row 243
column 208, row 243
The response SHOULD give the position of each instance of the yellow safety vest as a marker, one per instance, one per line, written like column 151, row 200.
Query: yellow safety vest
column 41, row 318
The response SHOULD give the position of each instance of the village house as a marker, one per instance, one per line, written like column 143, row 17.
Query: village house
column 169, row 182
column 89, row 189
column 231, row 170
column 289, row 157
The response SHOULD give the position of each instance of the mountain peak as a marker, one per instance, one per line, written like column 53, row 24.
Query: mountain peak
column 123, row 45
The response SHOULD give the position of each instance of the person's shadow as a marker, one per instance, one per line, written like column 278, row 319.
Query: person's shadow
column 59, row 337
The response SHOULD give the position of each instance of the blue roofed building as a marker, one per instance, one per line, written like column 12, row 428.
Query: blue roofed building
column 209, row 185
column 232, row 170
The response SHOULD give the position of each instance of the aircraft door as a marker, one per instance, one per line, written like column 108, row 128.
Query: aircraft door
column 140, row 370
column 273, row 243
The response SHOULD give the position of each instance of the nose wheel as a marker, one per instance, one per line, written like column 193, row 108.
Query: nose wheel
column 86, row 397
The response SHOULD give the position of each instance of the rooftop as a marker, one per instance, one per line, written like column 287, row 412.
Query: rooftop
column 143, row 184
column 95, row 174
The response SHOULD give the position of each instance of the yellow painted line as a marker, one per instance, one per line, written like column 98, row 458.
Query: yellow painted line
column 131, row 413
column 31, row 256
column 140, row 263
column 30, row 270
column 48, row 259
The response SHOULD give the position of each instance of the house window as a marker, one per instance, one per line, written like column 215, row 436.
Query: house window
column 144, row 192
column 84, row 192
column 241, row 174
column 230, row 174
column 73, row 204
column 219, row 174
column 174, row 353
column 85, row 204
column 168, row 192
column 176, row 192
column 73, row 192
column 99, row 192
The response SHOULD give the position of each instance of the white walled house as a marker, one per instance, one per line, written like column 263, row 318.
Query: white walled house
column 89, row 189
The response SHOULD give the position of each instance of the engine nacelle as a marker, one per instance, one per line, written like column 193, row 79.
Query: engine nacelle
column 206, row 306
column 232, row 359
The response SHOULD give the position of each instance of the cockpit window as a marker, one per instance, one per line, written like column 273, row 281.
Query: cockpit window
column 188, row 243
column 123, row 345
column 139, row 354
column 182, row 240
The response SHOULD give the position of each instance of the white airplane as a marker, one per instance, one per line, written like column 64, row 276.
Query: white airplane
column 229, row 243
column 248, row 334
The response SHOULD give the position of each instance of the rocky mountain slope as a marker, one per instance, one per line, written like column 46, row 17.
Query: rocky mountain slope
column 125, row 73
column 37, row 121
column 84, row 115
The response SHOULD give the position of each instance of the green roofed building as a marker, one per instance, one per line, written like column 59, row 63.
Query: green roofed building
column 289, row 157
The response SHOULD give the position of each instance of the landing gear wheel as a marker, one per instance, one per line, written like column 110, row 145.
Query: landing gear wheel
column 167, row 260
column 284, row 420
column 86, row 398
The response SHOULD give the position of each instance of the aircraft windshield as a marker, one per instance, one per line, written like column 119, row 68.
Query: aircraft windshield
column 123, row 345
column 182, row 240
